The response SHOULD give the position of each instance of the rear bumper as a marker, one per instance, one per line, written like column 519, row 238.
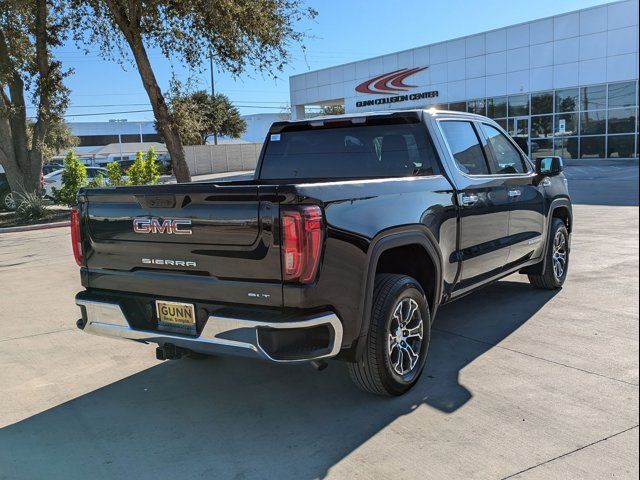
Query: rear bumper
column 226, row 335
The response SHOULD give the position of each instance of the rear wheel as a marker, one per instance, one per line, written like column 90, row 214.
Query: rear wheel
column 398, row 338
column 556, row 259
column 7, row 201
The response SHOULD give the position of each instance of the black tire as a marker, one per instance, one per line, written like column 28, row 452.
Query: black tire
column 375, row 372
column 6, row 201
column 551, row 279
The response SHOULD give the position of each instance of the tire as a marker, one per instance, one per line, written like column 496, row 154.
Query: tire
column 6, row 201
column 556, row 259
column 387, row 355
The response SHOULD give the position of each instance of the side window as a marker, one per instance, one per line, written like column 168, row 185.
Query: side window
column 508, row 158
column 465, row 147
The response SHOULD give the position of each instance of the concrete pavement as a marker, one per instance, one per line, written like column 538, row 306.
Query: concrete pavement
column 520, row 383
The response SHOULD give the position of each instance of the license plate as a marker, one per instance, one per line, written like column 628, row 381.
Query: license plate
column 176, row 317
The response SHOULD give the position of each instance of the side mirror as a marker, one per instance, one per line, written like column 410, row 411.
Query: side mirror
column 549, row 166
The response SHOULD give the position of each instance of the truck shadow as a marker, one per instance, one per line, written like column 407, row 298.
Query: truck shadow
column 230, row 418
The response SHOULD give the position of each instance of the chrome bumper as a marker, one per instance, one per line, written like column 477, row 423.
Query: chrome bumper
column 220, row 335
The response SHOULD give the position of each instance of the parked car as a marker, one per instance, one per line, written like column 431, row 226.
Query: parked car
column 353, row 232
column 54, row 179
column 6, row 199
column 48, row 168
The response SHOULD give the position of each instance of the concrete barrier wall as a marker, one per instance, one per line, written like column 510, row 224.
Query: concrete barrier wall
column 204, row 159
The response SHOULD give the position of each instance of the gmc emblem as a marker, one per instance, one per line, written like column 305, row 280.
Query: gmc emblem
column 170, row 226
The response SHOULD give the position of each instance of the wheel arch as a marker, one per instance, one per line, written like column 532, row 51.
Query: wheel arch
column 414, row 237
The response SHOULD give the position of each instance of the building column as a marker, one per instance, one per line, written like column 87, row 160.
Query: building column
column 297, row 112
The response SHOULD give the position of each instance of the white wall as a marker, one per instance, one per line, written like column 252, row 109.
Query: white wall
column 594, row 45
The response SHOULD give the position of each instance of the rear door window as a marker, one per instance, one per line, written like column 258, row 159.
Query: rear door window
column 465, row 147
column 354, row 151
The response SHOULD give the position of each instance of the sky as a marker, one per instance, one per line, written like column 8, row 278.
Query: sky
column 343, row 31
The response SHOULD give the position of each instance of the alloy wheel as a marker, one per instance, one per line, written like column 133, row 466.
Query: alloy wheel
column 404, row 338
column 559, row 255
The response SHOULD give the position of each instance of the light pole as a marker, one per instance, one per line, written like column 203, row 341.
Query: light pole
column 213, row 93
column 119, row 120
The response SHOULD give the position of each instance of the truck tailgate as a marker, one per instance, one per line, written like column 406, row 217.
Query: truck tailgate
column 214, row 241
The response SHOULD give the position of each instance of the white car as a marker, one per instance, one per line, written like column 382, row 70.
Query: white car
column 54, row 179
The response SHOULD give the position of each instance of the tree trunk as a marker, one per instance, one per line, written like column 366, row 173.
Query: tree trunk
column 164, row 120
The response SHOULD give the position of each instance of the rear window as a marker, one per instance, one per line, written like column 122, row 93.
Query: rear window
column 370, row 151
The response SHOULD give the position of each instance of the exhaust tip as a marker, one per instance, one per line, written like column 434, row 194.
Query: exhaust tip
column 319, row 365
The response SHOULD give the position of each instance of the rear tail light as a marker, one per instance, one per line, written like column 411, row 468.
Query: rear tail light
column 76, row 237
column 302, row 234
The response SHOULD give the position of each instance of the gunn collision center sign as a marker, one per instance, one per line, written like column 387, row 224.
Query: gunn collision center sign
column 392, row 83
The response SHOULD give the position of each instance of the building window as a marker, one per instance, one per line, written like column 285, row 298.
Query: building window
column 593, row 123
column 541, row 103
column 477, row 106
column 518, row 105
column 497, row 107
column 503, row 123
column 542, row 126
column 458, row 106
column 567, row 100
column 541, row 147
column 622, row 120
column 592, row 147
column 593, row 98
column 566, row 124
column 622, row 94
column 566, row 147
column 620, row 146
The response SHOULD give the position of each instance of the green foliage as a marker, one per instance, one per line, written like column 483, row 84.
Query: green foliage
column 30, row 207
column 74, row 176
column 114, row 175
column 199, row 116
column 136, row 172
column 145, row 169
column 96, row 182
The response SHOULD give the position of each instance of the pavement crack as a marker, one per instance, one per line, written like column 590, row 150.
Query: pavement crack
column 570, row 453
column 536, row 357
column 36, row 334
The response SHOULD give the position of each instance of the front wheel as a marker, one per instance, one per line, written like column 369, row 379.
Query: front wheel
column 397, row 342
column 7, row 201
column 556, row 259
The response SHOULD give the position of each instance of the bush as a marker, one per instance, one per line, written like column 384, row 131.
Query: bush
column 152, row 167
column 137, row 171
column 114, row 174
column 30, row 207
column 74, row 176
column 96, row 182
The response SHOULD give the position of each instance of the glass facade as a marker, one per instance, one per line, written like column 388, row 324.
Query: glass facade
column 597, row 121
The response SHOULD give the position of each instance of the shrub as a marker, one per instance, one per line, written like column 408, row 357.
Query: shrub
column 74, row 176
column 151, row 167
column 114, row 174
column 30, row 207
column 96, row 182
column 137, row 171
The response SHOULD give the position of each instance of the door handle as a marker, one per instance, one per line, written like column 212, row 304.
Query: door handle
column 468, row 200
column 515, row 193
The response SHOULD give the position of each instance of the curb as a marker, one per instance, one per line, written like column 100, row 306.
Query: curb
column 41, row 226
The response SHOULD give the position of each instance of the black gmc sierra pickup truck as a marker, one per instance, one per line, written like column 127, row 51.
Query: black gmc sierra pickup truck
column 352, row 233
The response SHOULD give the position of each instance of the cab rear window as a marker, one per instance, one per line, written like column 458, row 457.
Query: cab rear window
column 358, row 151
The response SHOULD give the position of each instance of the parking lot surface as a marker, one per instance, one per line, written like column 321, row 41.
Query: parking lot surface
column 520, row 383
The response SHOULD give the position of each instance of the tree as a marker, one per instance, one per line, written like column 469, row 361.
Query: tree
column 136, row 170
column 199, row 116
column 74, row 176
column 151, row 167
column 28, row 31
column 58, row 139
column 238, row 33
column 114, row 174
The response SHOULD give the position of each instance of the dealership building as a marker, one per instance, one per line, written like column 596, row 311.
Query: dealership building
column 564, row 85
